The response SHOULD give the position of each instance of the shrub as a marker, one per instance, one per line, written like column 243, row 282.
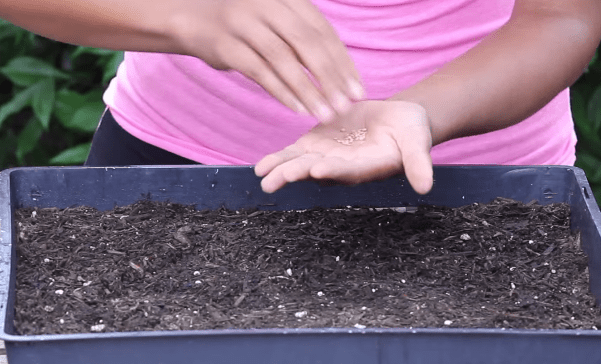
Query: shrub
column 586, row 110
column 51, row 98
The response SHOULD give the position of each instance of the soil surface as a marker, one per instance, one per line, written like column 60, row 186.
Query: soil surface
column 164, row 266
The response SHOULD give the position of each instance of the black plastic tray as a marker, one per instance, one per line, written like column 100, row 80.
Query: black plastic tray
column 236, row 187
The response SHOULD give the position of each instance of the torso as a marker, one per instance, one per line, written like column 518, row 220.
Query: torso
column 215, row 117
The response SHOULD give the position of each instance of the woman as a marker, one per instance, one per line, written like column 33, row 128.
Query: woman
column 344, row 90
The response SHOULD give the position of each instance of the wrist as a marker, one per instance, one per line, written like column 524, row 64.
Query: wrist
column 449, row 102
column 180, row 27
column 431, row 114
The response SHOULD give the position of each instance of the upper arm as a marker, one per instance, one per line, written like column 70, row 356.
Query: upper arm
column 586, row 12
column 574, row 24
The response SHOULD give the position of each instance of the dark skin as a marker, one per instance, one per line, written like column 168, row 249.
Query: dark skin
column 272, row 42
column 507, row 77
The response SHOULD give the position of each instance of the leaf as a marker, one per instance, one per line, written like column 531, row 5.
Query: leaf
column 17, row 103
column 587, row 142
column 86, row 118
column 26, row 71
column 8, row 145
column 592, row 62
column 591, row 166
column 594, row 112
column 28, row 138
column 111, row 67
column 579, row 109
column 90, row 50
column 74, row 155
column 40, row 96
column 25, row 39
column 79, row 111
column 43, row 101
column 32, row 38
column 66, row 102
column 588, row 139
column 595, row 63
column 7, row 29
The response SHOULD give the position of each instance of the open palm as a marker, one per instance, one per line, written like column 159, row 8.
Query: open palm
column 375, row 140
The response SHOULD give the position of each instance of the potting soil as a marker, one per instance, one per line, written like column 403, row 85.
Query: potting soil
column 165, row 266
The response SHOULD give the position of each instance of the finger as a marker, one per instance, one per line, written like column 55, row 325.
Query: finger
column 241, row 57
column 283, row 60
column 417, row 162
column 419, row 172
column 269, row 162
column 323, row 54
column 294, row 170
column 312, row 15
column 355, row 171
column 312, row 50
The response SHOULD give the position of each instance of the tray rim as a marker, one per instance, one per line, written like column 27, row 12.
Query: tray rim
column 497, row 332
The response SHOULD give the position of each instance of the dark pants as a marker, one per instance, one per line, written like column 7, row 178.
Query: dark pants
column 113, row 146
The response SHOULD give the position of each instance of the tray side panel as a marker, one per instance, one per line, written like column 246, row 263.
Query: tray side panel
column 7, row 266
column 238, row 187
column 586, row 219
column 357, row 348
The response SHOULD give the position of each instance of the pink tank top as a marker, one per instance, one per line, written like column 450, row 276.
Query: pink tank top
column 180, row 104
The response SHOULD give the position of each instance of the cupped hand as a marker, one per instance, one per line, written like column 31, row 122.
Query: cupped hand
column 286, row 46
column 374, row 140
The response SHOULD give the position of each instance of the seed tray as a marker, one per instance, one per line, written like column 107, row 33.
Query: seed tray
column 238, row 187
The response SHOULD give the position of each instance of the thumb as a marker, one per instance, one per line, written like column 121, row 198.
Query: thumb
column 415, row 142
column 418, row 169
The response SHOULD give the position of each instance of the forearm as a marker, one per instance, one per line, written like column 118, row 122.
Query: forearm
column 511, row 74
column 135, row 25
column 280, row 44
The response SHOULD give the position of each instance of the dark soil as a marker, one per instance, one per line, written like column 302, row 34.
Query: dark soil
column 163, row 266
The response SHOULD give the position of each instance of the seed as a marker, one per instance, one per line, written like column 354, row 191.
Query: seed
column 351, row 137
column 97, row 328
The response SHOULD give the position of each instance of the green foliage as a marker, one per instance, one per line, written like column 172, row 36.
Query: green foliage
column 50, row 99
column 586, row 110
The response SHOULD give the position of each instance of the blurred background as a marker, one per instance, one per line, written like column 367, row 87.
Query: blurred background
column 51, row 101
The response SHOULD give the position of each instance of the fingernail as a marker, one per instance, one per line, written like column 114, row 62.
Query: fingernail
column 341, row 103
column 426, row 186
column 355, row 89
column 323, row 112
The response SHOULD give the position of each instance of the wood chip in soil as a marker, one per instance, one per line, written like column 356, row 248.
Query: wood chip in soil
column 165, row 266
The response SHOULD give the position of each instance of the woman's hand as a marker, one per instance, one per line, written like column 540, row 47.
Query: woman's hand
column 375, row 140
column 286, row 46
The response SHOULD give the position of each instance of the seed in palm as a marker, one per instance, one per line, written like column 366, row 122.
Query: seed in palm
column 353, row 136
